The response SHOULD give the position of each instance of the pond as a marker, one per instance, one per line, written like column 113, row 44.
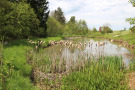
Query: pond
column 86, row 48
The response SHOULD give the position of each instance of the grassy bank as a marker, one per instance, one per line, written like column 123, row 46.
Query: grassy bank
column 119, row 35
column 15, row 70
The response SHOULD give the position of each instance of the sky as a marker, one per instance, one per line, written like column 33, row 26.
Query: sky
column 97, row 12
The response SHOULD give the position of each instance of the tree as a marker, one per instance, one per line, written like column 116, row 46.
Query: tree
column 82, row 25
column 72, row 19
column 41, row 9
column 59, row 16
column 132, row 29
column 106, row 29
column 54, row 28
column 94, row 30
column 132, row 2
column 72, row 26
column 100, row 29
column 132, row 20
column 18, row 20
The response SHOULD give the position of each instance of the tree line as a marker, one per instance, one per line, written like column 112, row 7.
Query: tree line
column 31, row 18
column 23, row 18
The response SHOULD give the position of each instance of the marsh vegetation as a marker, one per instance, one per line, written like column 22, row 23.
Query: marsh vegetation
column 79, row 64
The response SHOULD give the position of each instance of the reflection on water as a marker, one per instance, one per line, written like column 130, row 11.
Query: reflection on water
column 85, row 48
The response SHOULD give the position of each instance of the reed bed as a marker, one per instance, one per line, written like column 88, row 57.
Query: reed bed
column 59, row 68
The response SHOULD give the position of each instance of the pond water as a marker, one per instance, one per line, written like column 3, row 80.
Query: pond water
column 86, row 48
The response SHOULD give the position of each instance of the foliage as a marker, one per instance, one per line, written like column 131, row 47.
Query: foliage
column 41, row 9
column 131, row 21
column 72, row 19
column 59, row 15
column 100, row 29
column 94, row 30
column 82, row 26
column 18, row 20
column 71, row 26
column 132, row 2
column 106, row 29
column 133, row 29
column 54, row 27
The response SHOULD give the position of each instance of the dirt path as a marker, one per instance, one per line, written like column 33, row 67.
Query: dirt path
column 132, row 80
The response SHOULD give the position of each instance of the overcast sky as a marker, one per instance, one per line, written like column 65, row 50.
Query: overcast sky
column 97, row 12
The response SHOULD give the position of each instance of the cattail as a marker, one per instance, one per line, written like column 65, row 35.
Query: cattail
column 120, row 45
column 89, row 42
column 72, row 45
column 76, row 45
column 85, row 44
column 111, row 40
column 33, row 42
column 50, row 42
column 43, row 41
column 36, row 47
column 38, row 43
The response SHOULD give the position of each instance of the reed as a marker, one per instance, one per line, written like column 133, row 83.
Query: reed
column 83, row 71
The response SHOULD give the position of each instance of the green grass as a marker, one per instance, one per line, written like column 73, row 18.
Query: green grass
column 16, row 70
column 98, row 76
column 126, row 36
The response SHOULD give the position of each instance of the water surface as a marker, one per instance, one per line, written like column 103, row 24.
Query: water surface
column 85, row 48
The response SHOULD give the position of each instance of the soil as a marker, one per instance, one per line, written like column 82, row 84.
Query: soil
column 132, row 80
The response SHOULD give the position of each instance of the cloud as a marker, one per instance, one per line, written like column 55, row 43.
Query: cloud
column 97, row 12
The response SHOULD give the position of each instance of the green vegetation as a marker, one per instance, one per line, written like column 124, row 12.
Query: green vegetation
column 26, row 61
column 54, row 27
column 132, row 20
column 106, row 73
column 105, row 29
column 92, row 74
column 16, row 70
column 19, row 20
